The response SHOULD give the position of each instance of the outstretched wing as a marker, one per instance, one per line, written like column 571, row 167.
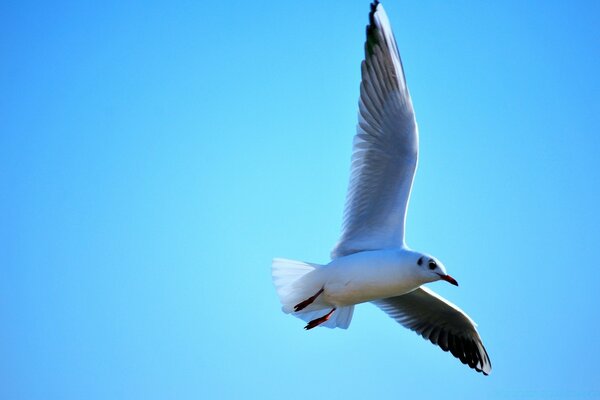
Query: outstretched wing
column 442, row 323
column 385, row 149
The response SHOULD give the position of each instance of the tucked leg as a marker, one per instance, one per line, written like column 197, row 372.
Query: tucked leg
column 302, row 305
column 319, row 321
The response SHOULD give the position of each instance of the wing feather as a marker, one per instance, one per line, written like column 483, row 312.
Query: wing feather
column 440, row 322
column 385, row 150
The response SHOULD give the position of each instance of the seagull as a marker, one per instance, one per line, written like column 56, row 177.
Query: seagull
column 371, row 262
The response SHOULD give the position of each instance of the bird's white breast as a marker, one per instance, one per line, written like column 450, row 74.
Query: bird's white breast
column 368, row 276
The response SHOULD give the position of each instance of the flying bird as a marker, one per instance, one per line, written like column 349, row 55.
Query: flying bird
column 371, row 262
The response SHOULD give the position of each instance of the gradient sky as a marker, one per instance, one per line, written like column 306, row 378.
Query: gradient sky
column 154, row 157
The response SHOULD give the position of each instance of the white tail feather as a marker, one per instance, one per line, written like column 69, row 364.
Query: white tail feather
column 291, row 288
column 294, row 284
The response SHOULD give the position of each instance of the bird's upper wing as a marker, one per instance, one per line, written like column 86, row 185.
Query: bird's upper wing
column 441, row 322
column 385, row 149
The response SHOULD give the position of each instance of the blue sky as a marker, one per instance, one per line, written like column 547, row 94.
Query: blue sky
column 154, row 157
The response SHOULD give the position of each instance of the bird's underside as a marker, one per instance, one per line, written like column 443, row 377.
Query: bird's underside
column 421, row 311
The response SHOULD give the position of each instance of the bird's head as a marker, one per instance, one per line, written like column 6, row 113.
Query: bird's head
column 434, row 269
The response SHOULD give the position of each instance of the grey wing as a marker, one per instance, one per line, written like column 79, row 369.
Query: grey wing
column 442, row 323
column 385, row 147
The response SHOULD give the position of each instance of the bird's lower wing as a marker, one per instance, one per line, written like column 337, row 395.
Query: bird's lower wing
column 442, row 323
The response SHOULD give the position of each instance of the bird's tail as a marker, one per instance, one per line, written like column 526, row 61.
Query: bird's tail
column 295, row 283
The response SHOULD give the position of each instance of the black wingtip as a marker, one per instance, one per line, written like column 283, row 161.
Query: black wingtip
column 372, row 12
column 371, row 39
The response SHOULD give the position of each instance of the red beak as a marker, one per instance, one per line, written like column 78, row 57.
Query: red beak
column 449, row 279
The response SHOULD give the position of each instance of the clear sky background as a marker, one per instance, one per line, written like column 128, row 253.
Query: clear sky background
column 154, row 157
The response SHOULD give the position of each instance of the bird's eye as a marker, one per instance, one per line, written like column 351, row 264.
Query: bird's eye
column 432, row 264
column 420, row 261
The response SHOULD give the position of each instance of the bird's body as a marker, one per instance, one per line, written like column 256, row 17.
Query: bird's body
column 366, row 276
column 369, row 275
column 371, row 262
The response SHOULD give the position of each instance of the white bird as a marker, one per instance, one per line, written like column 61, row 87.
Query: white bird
column 371, row 262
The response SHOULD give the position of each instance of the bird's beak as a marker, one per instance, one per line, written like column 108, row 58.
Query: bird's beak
column 449, row 279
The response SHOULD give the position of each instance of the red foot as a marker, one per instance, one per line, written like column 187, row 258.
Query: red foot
column 319, row 321
column 302, row 305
